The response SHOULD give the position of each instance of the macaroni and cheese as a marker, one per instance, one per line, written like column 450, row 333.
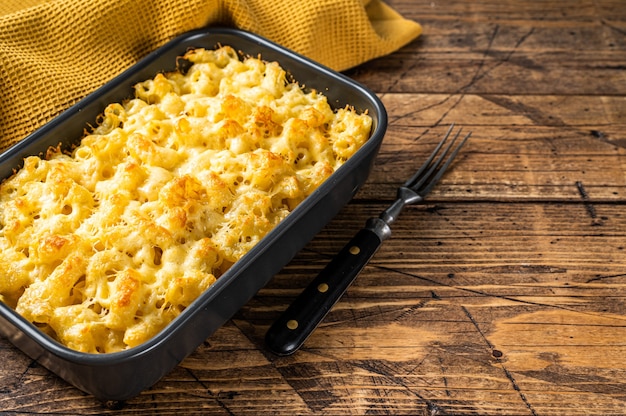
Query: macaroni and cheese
column 103, row 245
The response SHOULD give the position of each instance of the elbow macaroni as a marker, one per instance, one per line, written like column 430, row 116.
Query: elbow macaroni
column 103, row 247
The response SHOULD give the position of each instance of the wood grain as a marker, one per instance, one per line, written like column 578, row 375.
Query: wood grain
column 503, row 295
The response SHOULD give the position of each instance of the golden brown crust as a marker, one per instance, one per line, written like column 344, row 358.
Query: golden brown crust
column 104, row 247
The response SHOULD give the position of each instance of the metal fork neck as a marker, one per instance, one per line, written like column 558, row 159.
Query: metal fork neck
column 406, row 196
column 381, row 225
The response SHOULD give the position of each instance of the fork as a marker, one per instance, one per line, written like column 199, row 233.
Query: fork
column 297, row 323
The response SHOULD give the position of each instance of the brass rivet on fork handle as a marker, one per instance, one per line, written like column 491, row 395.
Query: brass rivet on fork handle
column 295, row 325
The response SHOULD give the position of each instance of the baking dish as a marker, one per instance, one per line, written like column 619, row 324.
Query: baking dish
column 122, row 375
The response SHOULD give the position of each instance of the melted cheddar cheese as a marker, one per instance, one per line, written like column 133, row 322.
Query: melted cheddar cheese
column 103, row 247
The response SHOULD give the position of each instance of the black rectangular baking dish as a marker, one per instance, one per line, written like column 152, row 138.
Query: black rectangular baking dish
column 120, row 376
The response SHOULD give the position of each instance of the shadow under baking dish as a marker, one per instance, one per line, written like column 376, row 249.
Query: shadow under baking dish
column 122, row 375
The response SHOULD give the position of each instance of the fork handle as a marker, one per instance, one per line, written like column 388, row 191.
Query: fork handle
column 295, row 325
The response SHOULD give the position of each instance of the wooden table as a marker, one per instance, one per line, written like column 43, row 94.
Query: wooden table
column 503, row 295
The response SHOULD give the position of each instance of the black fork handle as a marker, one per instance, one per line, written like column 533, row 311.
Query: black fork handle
column 305, row 313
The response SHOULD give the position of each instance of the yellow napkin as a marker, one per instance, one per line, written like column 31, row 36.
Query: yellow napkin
column 54, row 52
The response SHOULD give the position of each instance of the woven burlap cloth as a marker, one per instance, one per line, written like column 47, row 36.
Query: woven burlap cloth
column 54, row 52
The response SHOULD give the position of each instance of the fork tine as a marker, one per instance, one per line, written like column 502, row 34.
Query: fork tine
column 443, row 169
column 433, row 168
column 421, row 170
